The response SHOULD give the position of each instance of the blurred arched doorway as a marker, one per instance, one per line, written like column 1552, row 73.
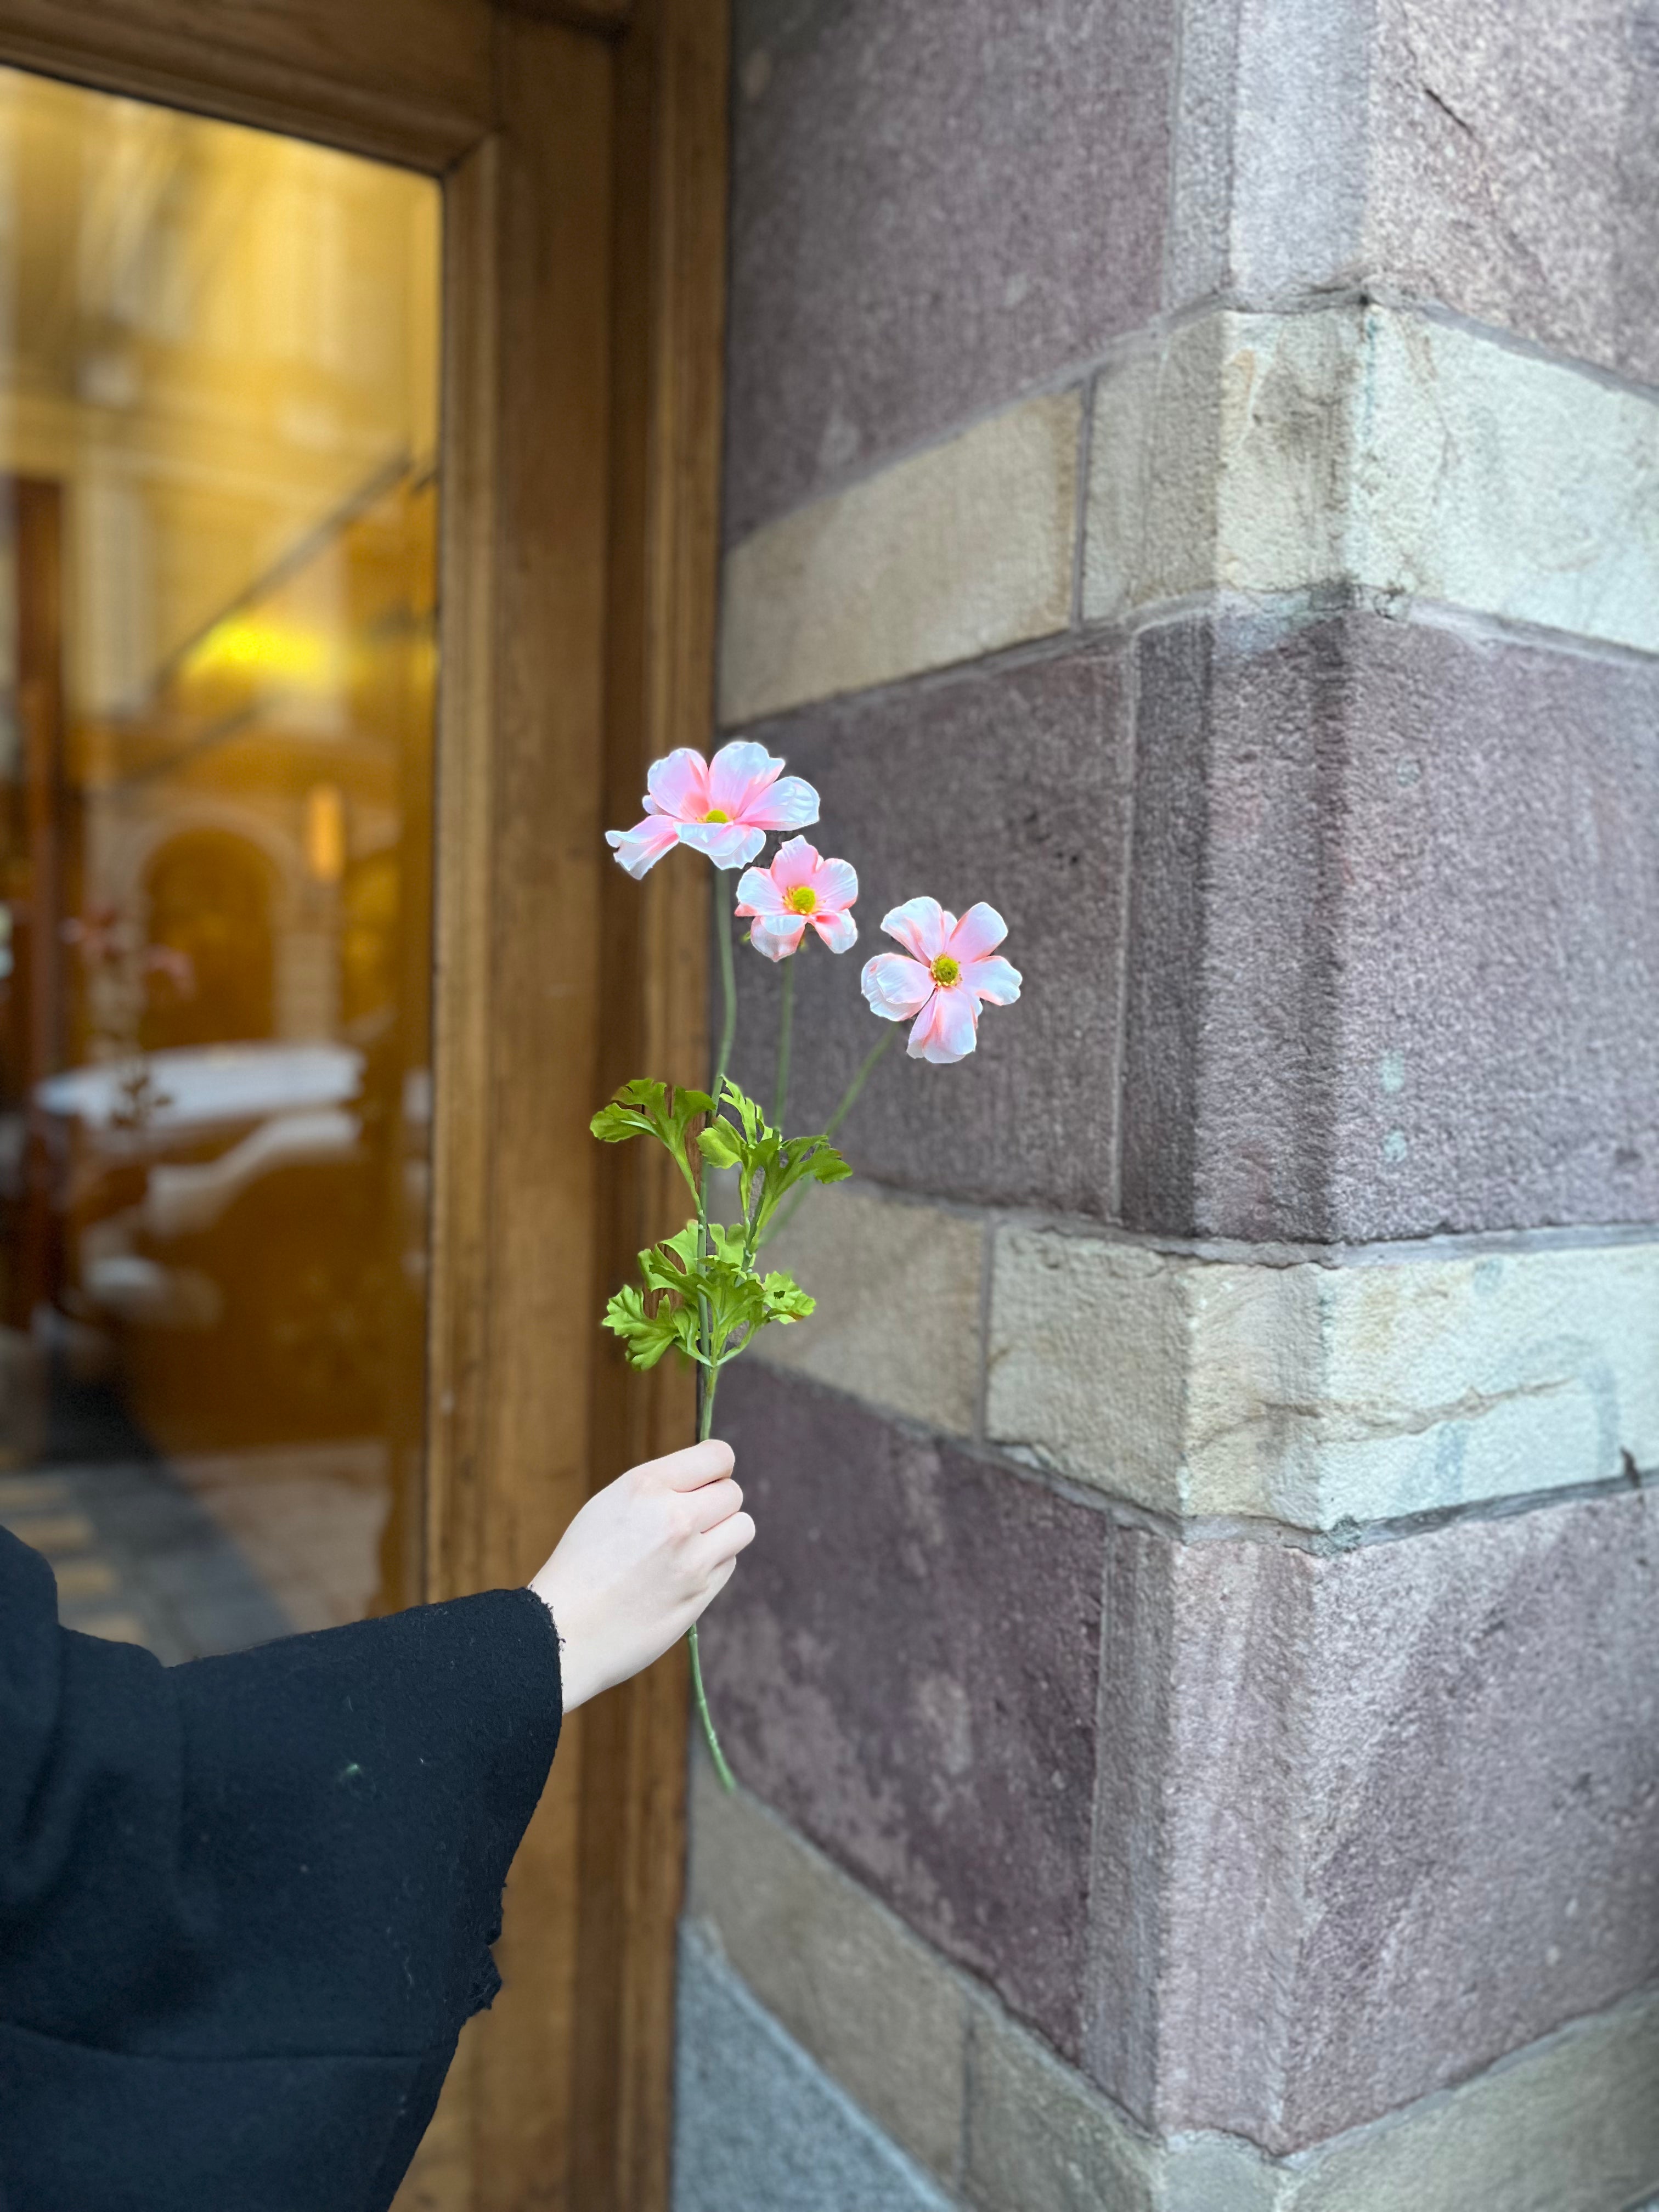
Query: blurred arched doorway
column 211, row 969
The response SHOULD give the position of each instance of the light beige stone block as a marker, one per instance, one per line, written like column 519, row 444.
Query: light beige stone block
column 1040, row 2140
column 1320, row 1394
column 958, row 551
column 1571, row 2125
column 898, row 1289
column 1375, row 447
column 878, row 2010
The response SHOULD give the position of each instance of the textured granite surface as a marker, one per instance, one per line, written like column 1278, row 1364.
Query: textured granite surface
column 1394, row 939
column 906, row 1667
column 1007, row 784
column 934, row 208
column 758, row 2127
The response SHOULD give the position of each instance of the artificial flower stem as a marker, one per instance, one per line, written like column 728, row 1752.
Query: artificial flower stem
column 857, row 1084
column 706, row 1422
column 728, row 980
column 834, row 1123
column 786, row 1026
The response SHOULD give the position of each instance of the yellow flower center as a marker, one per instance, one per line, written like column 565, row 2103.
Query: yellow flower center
column 717, row 814
column 945, row 971
column 801, row 899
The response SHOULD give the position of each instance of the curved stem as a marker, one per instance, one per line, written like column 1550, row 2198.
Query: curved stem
column 786, row 1026
column 850, row 1098
column 727, row 1779
column 708, row 1377
column 783, row 1219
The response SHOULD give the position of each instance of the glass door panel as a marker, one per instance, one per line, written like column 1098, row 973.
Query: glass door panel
column 218, row 406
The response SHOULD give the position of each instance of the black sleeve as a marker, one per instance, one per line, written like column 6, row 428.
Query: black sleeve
column 246, row 1904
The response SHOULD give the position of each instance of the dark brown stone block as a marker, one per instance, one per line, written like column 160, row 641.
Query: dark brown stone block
column 1004, row 784
column 935, row 207
column 1412, row 1812
column 1394, row 937
column 905, row 1665
column 1514, row 169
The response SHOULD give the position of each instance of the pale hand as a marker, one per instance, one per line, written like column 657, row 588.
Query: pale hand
column 639, row 1563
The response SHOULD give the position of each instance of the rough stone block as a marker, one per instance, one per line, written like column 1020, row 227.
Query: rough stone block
column 960, row 550
column 1394, row 935
column 1320, row 1394
column 1572, row 2125
column 934, row 208
column 1567, row 2124
column 1514, row 162
column 1376, row 449
column 1040, row 2140
column 899, row 1289
column 874, row 2005
column 1500, row 158
column 1008, row 784
column 1410, row 1812
column 757, row 2126
column 906, row 1667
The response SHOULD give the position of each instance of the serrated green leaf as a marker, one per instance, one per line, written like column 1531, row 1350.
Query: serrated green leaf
column 720, row 1145
column 645, row 1335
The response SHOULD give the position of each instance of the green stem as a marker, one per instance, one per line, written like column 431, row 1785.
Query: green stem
column 786, row 1026
column 728, row 980
column 850, row 1098
column 708, row 1377
column 728, row 1032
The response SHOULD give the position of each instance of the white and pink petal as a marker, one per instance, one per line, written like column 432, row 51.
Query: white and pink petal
column 836, row 883
column 836, row 927
column 918, row 925
column 980, row 930
column 639, row 849
column 758, row 892
column 739, row 775
column 795, row 863
column 948, row 1029
column 679, row 785
column 727, row 844
column 778, row 935
column 996, row 979
column 896, row 987
column 791, row 803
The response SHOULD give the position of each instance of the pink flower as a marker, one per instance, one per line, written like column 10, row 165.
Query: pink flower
column 723, row 808
column 943, row 981
column 799, row 887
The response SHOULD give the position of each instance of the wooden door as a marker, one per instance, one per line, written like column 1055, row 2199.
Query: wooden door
column 582, row 145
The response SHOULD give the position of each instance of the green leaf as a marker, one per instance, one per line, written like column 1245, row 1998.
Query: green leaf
column 720, row 1145
column 645, row 1335
column 786, row 1301
column 646, row 1108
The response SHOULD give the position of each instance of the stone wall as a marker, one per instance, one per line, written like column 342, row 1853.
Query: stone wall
column 1192, row 480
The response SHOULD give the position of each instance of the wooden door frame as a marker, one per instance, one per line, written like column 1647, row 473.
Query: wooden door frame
column 582, row 144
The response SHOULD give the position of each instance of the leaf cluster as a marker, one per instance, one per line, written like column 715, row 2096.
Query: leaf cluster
column 701, row 1291
column 769, row 1164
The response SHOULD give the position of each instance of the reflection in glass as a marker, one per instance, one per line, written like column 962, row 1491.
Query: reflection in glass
column 217, row 507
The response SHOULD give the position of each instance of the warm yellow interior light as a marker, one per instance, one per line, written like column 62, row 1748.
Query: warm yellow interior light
column 325, row 833
column 246, row 645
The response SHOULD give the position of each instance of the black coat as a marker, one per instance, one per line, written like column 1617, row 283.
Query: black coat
column 246, row 1904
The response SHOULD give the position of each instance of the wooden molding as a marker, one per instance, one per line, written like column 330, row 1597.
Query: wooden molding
column 669, row 321
column 608, row 15
column 580, row 572
column 404, row 80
